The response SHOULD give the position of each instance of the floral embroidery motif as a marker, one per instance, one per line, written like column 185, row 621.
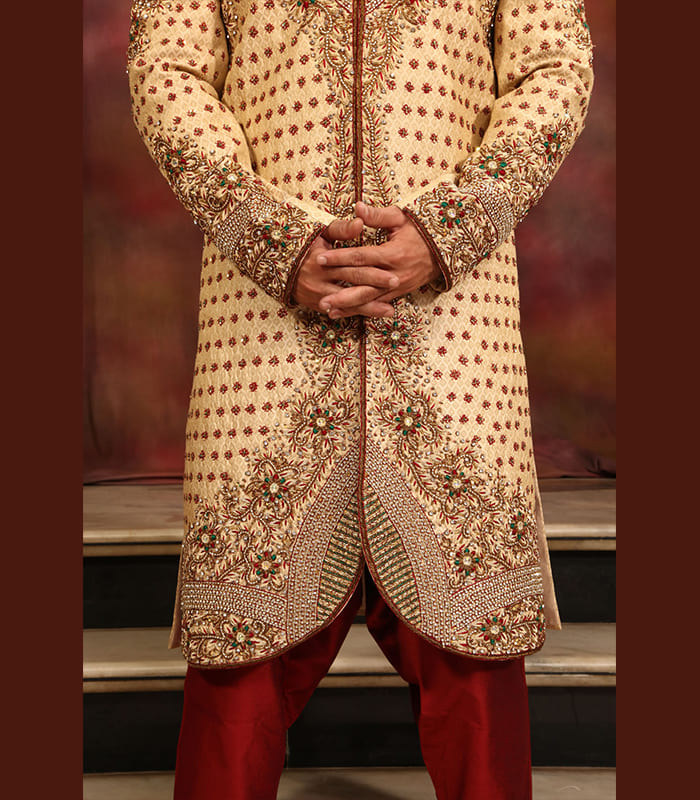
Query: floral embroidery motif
column 465, row 561
column 277, row 235
column 454, row 212
column 494, row 167
column 268, row 569
column 397, row 336
column 415, row 424
column 328, row 340
column 456, row 219
column 215, row 638
column 531, row 162
column 493, row 631
column 409, row 421
column 203, row 185
column 317, row 428
column 271, row 490
column 484, row 525
column 519, row 627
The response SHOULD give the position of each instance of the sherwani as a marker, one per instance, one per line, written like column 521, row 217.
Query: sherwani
column 313, row 446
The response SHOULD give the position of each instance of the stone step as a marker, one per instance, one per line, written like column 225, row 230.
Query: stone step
column 397, row 783
column 360, row 715
column 137, row 659
column 126, row 519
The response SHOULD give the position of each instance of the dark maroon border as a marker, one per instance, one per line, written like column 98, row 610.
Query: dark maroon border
column 42, row 452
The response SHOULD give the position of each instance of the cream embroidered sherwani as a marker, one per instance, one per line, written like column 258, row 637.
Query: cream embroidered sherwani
column 316, row 446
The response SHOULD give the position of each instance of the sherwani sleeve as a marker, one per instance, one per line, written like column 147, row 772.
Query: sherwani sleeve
column 542, row 56
column 177, row 63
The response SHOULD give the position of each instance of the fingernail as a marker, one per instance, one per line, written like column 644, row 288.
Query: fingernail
column 393, row 282
column 324, row 306
column 322, row 260
column 334, row 314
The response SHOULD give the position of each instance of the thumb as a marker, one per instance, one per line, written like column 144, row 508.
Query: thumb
column 376, row 217
column 343, row 230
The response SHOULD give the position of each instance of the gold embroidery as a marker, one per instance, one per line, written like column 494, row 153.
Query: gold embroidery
column 215, row 638
column 478, row 531
column 138, row 27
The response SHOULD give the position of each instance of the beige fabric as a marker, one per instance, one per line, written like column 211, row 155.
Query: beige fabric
column 313, row 446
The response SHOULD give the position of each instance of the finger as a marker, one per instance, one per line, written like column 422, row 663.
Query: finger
column 373, row 309
column 349, row 297
column 367, row 256
column 375, row 217
column 342, row 230
column 363, row 276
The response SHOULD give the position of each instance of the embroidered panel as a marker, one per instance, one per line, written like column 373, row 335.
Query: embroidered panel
column 473, row 602
column 324, row 520
column 213, row 638
column 229, row 598
column 522, row 165
column 476, row 533
column 519, row 628
column 341, row 563
column 456, row 220
column 406, row 515
column 289, row 514
column 390, row 559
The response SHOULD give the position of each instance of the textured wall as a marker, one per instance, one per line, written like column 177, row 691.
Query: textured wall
column 141, row 277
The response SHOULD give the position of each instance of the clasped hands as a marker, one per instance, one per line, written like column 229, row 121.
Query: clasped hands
column 348, row 281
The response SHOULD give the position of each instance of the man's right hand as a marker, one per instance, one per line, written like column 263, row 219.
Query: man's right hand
column 315, row 281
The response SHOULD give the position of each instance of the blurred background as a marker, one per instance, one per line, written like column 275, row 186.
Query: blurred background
column 141, row 283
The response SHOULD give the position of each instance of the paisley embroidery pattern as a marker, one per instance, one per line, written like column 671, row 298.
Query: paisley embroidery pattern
column 506, row 630
column 261, row 237
column 456, row 226
column 215, row 638
column 522, row 166
column 484, row 525
column 329, row 27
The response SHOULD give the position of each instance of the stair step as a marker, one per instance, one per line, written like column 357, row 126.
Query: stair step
column 137, row 659
column 124, row 519
column 395, row 783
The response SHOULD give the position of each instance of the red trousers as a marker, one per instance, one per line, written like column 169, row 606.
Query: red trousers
column 472, row 715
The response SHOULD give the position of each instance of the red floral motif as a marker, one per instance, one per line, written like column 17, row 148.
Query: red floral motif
column 453, row 212
column 268, row 568
column 409, row 421
column 464, row 561
column 493, row 631
column 239, row 635
column 397, row 335
column 493, row 166
column 318, row 426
